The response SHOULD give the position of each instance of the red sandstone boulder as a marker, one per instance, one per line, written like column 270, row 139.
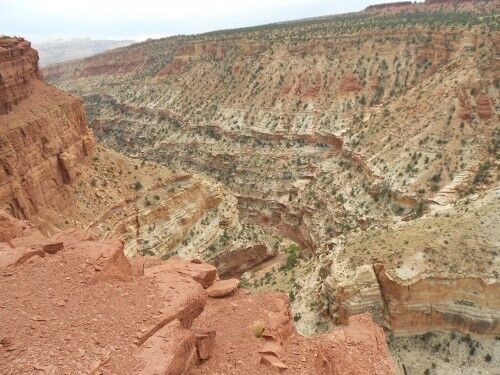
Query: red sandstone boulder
column 272, row 360
column 53, row 247
column 271, row 347
column 139, row 264
column 106, row 257
column 222, row 288
column 279, row 321
column 14, row 256
column 201, row 272
column 183, row 297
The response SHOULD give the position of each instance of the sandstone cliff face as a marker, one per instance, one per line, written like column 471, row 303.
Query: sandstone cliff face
column 43, row 134
column 425, row 303
column 417, row 304
column 438, row 272
column 51, row 173
column 18, row 68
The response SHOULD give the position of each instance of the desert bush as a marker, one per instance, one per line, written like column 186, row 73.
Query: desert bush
column 258, row 328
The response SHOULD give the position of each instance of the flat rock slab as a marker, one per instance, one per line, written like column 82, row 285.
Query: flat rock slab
column 203, row 273
column 271, row 347
column 223, row 288
column 272, row 360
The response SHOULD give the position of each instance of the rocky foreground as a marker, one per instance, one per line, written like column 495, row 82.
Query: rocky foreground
column 75, row 305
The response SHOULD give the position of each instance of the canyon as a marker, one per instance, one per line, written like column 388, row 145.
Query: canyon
column 72, row 301
column 261, row 199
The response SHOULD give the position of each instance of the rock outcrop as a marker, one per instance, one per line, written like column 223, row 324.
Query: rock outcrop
column 417, row 303
column 223, row 288
column 18, row 70
column 357, row 349
column 43, row 134
column 424, row 303
column 148, row 316
column 388, row 5
column 237, row 261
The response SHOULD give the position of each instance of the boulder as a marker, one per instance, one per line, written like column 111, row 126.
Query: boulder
column 107, row 258
column 271, row 347
column 182, row 298
column 14, row 256
column 140, row 263
column 53, row 247
column 223, row 288
column 201, row 272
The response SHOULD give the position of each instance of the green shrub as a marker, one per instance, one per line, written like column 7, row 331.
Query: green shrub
column 138, row 185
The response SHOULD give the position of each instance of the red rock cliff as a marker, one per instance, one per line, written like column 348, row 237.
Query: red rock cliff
column 18, row 68
column 43, row 134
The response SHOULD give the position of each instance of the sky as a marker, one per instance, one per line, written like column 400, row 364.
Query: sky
column 43, row 20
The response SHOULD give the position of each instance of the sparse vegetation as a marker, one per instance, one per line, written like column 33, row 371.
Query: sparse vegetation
column 258, row 328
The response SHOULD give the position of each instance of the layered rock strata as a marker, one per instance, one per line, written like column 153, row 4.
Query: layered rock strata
column 18, row 69
column 417, row 302
column 44, row 141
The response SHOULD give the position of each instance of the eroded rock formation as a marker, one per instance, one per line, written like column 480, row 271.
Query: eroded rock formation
column 52, row 173
column 155, row 318
column 18, row 69
column 237, row 261
column 43, row 141
column 417, row 303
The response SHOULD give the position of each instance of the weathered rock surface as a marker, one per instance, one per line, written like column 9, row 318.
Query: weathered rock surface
column 237, row 261
column 172, row 350
column 417, row 303
column 203, row 273
column 223, row 288
column 359, row 349
column 43, row 134
column 155, row 322
column 18, row 68
column 424, row 303
column 355, row 294
column 205, row 342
